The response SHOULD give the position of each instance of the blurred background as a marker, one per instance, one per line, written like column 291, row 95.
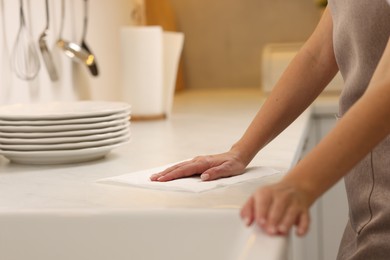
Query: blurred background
column 228, row 43
column 225, row 38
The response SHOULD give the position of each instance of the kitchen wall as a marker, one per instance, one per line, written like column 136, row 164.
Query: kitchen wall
column 224, row 38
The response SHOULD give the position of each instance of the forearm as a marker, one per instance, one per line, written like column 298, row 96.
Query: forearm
column 357, row 133
column 304, row 79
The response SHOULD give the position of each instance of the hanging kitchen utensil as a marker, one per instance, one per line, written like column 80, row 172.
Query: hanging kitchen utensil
column 5, row 57
column 25, row 59
column 46, row 55
column 71, row 49
column 92, row 66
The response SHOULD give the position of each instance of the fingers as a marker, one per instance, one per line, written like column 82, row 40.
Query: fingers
column 262, row 202
column 303, row 224
column 276, row 213
column 210, row 167
column 256, row 208
column 246, row 213
column 156, row 176
column 290, row 218
column 276, row 209
column 185, row 169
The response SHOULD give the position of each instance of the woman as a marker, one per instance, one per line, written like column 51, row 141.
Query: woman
column 353, row 37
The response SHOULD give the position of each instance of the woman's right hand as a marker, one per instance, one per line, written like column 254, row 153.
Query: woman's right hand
column 209, row 167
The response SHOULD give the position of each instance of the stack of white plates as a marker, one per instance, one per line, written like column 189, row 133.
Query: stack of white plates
column 62, row 132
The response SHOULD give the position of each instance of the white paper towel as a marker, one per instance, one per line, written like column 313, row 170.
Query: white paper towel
column 173, row 46
column 191, row 184
column 149, row 67
column 142, row 69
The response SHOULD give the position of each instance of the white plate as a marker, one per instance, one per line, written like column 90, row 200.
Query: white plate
column 59, row 157
column 60, row 128
column 61, row 110
column 64, row 134
column 84, row 120
column 64, row 140
column 67, row 146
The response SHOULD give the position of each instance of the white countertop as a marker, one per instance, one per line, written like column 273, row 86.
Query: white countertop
column 50, row 209
column 203, row 122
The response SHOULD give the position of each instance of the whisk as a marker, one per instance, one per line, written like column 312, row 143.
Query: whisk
column 25, row 59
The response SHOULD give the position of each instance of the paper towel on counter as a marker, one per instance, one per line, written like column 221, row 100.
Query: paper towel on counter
column 190, row 184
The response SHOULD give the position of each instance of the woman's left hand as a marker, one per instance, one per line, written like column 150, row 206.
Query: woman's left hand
column 278, row 207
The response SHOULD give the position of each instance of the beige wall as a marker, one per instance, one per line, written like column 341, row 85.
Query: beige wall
column 224, row 38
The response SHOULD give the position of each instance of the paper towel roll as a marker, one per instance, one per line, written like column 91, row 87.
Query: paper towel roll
column 150, row 60
column 142, row 70
column 173, row 46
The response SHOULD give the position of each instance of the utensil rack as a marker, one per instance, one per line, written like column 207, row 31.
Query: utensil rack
column 106, row 18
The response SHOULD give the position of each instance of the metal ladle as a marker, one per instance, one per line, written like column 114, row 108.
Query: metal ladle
column 71, row 49
column 25, row 59
column 46, row 55
column 93, row 66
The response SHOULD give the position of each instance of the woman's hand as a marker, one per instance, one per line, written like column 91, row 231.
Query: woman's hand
column 209, row 167
column 278, row 207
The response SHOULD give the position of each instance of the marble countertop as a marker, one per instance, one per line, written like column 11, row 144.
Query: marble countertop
column 203, row 122
column 48, row 209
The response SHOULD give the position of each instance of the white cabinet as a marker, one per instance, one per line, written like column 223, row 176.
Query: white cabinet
column 333, row 206
column 329, row 214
